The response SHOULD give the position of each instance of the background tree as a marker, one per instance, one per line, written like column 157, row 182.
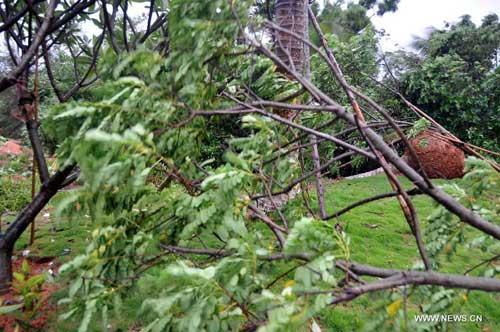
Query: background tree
column 52, row 30
column 455, row 79
column 346, row 18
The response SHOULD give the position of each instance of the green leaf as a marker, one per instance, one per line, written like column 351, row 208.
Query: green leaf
column 37, row 280
column 90, row 309
column 76, row 111
column 5, row 309
column 18, row 276
column 68, row 314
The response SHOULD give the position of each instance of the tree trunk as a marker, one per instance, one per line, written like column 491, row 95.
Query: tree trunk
column 292, row 15
column 24, row 219
column 5, row 269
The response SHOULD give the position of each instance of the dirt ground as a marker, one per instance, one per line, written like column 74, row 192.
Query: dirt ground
column 8, row 322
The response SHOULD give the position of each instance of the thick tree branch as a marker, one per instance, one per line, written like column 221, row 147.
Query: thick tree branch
column 11, row 20
column 392, row 278
column 160, row 21
column 404, row 200
column 275, row 228
column 11, row 78
column 109, row 21
column 320, row 192
column 28, row 214
column 69, row 14
column 36, row 145
column 395, row 278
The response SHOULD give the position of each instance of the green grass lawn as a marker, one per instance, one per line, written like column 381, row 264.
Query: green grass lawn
column 379, row 236
column 62, row 239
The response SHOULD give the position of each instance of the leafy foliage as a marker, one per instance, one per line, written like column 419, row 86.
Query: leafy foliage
column 346, row 19
column 131, row 133
column 445, row 233
column 456, row 81
column 162, row 197
column 28, row 289
column 135, row 133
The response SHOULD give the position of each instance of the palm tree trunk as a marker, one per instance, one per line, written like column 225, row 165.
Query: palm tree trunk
column 292, row 15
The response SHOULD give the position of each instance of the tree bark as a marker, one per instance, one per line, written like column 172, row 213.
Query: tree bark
column 320, row 191
column 291, row 15
column 23, row 220
column 5, row 269
column 36, row 144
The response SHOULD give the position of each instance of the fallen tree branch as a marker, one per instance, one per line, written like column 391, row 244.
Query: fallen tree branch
column 392, row 278
column 437, row 194
column 275, row 228
column 404, row 200
column 446, row 134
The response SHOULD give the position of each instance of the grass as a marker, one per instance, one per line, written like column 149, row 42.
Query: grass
column 62, row 239
column 379, row 236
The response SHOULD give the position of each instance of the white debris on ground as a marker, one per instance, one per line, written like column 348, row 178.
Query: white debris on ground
column 366, row 174
column 268, row 205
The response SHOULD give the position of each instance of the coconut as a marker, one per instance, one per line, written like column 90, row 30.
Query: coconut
column 439, row 158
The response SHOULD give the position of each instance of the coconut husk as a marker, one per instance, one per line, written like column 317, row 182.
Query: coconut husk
column 439, row 158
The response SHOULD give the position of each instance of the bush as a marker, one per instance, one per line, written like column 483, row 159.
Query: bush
column 15, row 193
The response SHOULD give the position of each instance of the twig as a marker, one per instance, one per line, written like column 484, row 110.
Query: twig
column 338, row 213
